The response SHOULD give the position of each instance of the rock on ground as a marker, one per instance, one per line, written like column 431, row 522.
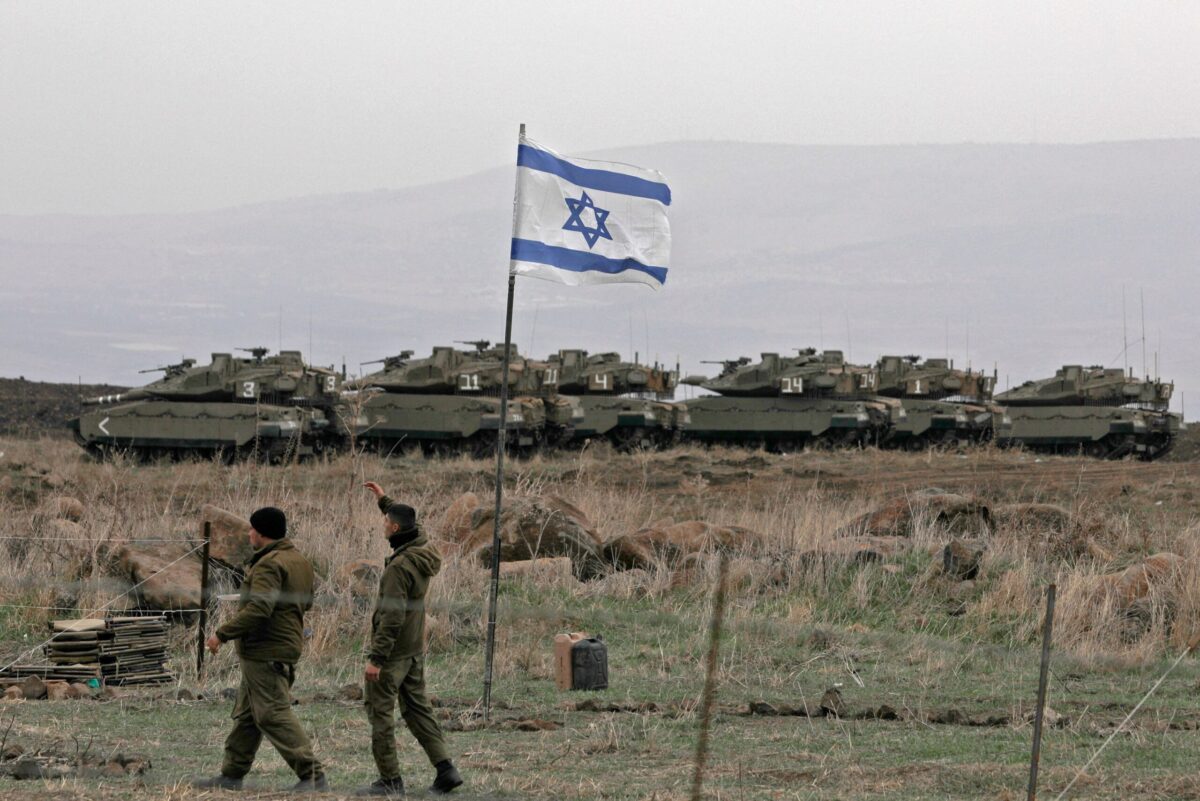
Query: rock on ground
column 958, row 514
column 1161, row 572
column 33, row 688
column 230, row 535
column 554, row 570
column 175, row 587
column 360, row 576
column 646, row 547
column 58, row 691
column 1064, row 533
column 456, row 522
column 531, row 528
column 961, row 558
column 64, row 507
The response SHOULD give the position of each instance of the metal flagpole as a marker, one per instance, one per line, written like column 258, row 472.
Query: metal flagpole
column 501, row 441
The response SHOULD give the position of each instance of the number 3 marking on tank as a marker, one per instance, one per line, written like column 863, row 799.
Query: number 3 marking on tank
column 247, row 389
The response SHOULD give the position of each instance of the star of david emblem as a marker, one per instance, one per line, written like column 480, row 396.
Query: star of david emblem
column 575, row 221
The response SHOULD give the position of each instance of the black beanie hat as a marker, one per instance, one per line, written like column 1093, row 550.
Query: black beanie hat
column 404, row 516
column 270, row 522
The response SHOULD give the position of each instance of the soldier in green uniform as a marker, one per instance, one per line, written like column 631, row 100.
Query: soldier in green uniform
column 269, row 629
column 395, row 672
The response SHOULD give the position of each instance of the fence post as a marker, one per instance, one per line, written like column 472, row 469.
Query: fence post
column 710, row 678
column 203, row 622
column 1047, row 633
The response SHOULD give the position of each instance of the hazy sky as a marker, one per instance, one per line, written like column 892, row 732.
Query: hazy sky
column 146, row 106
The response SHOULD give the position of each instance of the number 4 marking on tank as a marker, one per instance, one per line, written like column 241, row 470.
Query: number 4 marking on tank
column 103, row 426
column 792, row 385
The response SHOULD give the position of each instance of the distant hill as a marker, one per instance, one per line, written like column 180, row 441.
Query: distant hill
column 1013, row 255
column 34, row 408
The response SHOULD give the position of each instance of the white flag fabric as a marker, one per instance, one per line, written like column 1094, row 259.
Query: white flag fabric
column 589, row 222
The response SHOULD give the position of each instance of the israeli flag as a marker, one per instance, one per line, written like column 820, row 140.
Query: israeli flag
column 589, row 222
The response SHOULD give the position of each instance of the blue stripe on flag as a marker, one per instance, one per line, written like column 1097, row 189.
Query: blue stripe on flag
column 600, row 180
column 580, row 261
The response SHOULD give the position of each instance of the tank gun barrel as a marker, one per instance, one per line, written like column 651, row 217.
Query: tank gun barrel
column 120, row 397
column 728, row 365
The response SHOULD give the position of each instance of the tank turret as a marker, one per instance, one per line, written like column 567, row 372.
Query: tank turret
column 575, row 372
column 809, row 373
column 284, row 378
column 1075, row 385
column 448, row 371
column 934, row 379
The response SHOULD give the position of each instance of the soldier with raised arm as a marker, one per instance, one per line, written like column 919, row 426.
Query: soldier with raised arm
column 269, row 630
column 395, row 670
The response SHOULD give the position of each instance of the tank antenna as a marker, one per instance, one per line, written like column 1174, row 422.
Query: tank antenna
column 1142, row 292
column 646, row 323
column 630, row 315
column 849, row 342
column 1124, row 331
column 533, row 330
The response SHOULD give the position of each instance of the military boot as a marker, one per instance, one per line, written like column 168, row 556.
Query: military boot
column 447, row 777
column 392, row 788
column 315, row 784
column 218, row 782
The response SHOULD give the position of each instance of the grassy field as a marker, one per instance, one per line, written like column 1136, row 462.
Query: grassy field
column 937, row 676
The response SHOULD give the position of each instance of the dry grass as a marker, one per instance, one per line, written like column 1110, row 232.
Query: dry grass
column 897, row 633
column 786, row 498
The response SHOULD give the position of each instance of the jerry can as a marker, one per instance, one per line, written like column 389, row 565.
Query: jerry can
column 589, row 664
column 562, row 658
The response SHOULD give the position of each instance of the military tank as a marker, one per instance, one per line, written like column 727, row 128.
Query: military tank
column 943, row 405
column 788, row 402
column 622, row 402
column 1096, row 411
column 449, row 402
column 266, row 407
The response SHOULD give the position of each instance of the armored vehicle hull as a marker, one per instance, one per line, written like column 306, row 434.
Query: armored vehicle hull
column 627, row 423
column 1104, row 432
column 932, row 423
column 154, row 428
column 449, row 424
column 784, row 422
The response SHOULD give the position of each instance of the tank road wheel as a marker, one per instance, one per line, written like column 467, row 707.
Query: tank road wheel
column 916, row 443
column 627, row 439
column 483, row 444
column 1097, row 450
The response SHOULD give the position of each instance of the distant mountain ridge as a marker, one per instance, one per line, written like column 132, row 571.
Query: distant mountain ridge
column 1008, row 254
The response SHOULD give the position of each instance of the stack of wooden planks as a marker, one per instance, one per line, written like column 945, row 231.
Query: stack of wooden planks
column 117, row 650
